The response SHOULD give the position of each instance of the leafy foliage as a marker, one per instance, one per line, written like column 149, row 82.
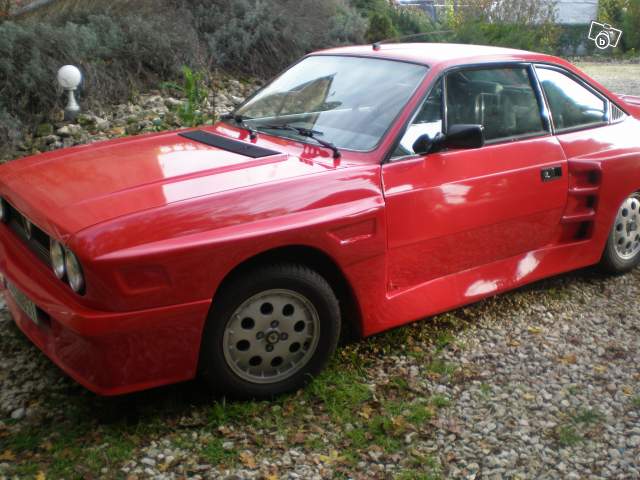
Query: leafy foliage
column 259, row 37
column 520, row 24
column 611, row 11
column 122, row 50
column 190, row 112
column 631, row 26
column 380, row 28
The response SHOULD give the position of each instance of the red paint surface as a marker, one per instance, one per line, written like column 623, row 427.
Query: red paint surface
column 159, row 221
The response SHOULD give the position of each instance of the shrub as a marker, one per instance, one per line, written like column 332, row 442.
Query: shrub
column 631, row 26
column 259, row 37
column 387, row 21
column 611, row 11
column 10, row 133
column 380, row 27
column 520, row 24
column 193, row 89
column 115, row 53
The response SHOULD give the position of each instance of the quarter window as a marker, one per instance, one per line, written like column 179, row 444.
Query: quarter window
column 427, row 121
column 571, row 104
column 502, row 100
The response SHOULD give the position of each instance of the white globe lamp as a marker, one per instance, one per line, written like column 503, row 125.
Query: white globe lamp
column 69, row 78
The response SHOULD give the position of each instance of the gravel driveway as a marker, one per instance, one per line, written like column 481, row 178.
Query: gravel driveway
column 543, row 382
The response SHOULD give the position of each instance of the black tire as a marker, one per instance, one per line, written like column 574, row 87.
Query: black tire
column 612, row 260
column 213, row 365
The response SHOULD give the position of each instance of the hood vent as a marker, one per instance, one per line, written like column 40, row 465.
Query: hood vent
column 228, row 144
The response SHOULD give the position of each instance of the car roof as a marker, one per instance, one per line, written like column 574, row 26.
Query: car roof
column 434, row 54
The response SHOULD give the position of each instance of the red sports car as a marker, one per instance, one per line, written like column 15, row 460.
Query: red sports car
column 364, row 188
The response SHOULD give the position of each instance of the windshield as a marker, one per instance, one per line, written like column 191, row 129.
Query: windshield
column 348, row 101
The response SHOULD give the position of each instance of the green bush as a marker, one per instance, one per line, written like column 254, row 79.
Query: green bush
column 631, row 26
column 192, row 87
column 10, row 133
column 124, row 47
column 611, row 11
column 388, row 22
column 261, row 37
column 380, row 28
column 115, row 52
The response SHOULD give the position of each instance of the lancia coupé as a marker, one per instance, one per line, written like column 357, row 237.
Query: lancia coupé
column 363, row 188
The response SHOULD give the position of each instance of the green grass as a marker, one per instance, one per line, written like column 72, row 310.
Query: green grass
column 424, row 468
column 443, row 340
column 441, row 367
column 567, row 436
column 341, row 391
column 214, row 453
column 485, row 390
column 573, row 390
column 635, row 401
column 588, row 416
column 578, row 427
column 223, row 412
column 418, row 475
column 440, row 401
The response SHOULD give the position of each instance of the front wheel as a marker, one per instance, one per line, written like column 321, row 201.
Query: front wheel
column 269, row 332
column 622, row 252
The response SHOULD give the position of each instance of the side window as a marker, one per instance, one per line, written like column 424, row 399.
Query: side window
column 428, row 121
column 571, row 104
column 502, row 100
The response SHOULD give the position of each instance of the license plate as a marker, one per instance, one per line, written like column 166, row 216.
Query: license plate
column 26, row 305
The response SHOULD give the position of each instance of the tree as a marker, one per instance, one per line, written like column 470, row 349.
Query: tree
column 611, row 11
column 380, row 28
column 631, row 26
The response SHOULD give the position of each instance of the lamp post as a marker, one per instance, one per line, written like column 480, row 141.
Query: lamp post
column 69, row 78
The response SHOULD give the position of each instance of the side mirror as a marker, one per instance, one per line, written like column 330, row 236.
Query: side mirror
column 464, row 136
column 458, row 136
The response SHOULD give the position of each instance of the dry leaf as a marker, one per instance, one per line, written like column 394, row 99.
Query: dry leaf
column 333, row 457
column 398, row 422
column 247, row 459
column 299, row 437
column 529, row 397
column 627, row 390
column 41, row 476
column 513, row 343
column 570, row 359
column 600, row 368
column 534, row 329
column 7, row 456
column 366, row 412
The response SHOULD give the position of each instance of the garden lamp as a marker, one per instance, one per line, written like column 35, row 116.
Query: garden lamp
column 69, row 78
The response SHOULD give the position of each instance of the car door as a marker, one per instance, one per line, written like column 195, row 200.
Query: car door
column 456, row 209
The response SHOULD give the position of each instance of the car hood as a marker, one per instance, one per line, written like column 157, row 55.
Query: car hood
column 69, row 190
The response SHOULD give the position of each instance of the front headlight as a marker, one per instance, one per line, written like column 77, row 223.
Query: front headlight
column 75, row 276
column 57, row 259
column 3, row 210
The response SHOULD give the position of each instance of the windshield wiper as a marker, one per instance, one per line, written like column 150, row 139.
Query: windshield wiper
column 240, row 120
column 306, row 132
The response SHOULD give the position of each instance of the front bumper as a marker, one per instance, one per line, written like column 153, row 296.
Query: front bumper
column 109, row 353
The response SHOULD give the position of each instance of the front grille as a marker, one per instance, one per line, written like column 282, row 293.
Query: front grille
column 39, row 241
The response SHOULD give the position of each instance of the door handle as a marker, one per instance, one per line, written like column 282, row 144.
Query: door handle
column 550, row 173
